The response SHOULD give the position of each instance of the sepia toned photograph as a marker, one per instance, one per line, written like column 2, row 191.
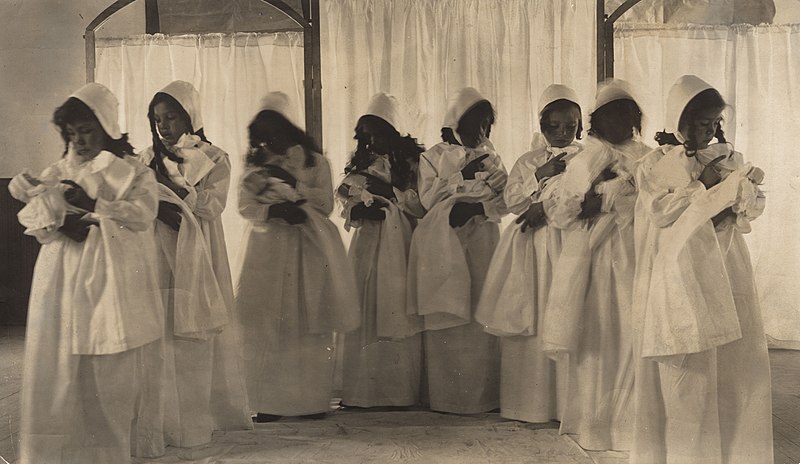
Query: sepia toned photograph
column 399, row 231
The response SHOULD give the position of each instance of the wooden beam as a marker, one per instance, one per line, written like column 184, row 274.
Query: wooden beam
column 91, row 58
column 89, row 38
column 289, row 11
column 316, row 61
column 152, row 22
column 601, row 39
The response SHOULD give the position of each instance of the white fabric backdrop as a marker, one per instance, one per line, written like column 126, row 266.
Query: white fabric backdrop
column 755, row 69
column 423, row 50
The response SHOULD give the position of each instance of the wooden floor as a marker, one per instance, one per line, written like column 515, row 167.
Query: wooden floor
column 785, row 387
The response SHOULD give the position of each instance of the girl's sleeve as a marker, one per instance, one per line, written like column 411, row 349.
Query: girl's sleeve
column 250, row 207
column 521, row 186
column 495, row 208
column 348, row 197
column 138, row 209
column 432, row 188
column 664, row 204
column 319, row 191
column 212, row 192
column 409, row 202
column 565, row 206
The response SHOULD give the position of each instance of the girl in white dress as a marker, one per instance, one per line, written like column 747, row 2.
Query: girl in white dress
column 383, row 359
column 296, row 285
column 515, row 293
column 95, row 301
column 461, row 183
column 193, row 177
column 702, row 380
column 588, row 309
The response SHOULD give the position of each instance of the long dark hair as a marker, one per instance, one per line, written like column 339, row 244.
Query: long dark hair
column 469, row 125
column 272, row 130
column 159, row 149
column 709, row 98
column 403, row 151
column 73, row 111
column 559, row 105
column 623, row 111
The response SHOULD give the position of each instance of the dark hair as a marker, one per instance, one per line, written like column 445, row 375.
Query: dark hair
column 709, row 98
column 469, row 124
column 559, row 105
column 623, row 111
column 403, row 151
column 159, row 149
column 73, row 111
column 271, row 129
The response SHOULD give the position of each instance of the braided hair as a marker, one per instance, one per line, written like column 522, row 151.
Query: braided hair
column 709, row 98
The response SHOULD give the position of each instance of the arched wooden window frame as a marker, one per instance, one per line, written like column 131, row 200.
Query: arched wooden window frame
column 605, row 37
column 308, row 20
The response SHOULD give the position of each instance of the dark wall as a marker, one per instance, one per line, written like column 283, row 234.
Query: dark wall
column 17, row 256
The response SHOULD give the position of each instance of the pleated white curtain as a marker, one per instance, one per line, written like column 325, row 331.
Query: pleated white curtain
column 232, row 73
column 755, row 68
column 422, row 51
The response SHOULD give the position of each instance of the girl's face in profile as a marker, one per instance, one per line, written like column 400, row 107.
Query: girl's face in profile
column 560, row 126
column 170, row 122
column 87, row 138
column 706, row 123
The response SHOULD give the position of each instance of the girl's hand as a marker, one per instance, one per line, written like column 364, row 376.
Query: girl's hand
column 378, row 187
column 282, row 174
column 167, row 182
column 710, row 176
column 288, row 211
column 374, row 212
column 170, row 214
column 552, row 168
column 462, row 212
column 533, row 218
column 724, row 214
column 591, row 206
column 468, row 172
column 75, row 228
column 76, row 196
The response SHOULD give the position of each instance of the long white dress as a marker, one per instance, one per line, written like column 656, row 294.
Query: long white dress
column 588, row 313
column 383, row 358
column 702, row 376
column 177, row 404
column 447, row 268
column 515, row 294
column 296, row 288
column 94, row 305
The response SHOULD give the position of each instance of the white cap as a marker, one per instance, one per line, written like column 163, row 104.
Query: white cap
column 459, row 104
column 103, row 104
column 611, row 90
column 385, row 107
column 189, row 98
column 555, row 92
column 680, row 94
column 278, row 102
